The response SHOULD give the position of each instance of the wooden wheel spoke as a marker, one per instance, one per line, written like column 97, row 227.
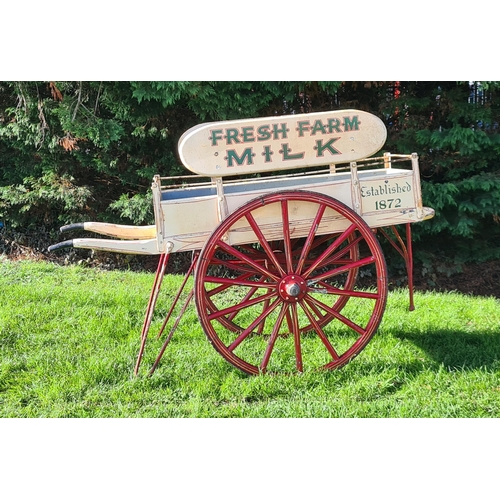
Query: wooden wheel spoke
column 248, row 296
column 319, row 240
column 289, row 321
column 233, row 265
column 262, row 324
column 319, row 262
column 240, row 306
column 358, row 329
column 316, row 310
column 319, row 331
column 249, row 249
column 273, row 337
column 225, row 286
column 265, row 245
column 230, row 318
column 268, row 309
column 342, row 269
column 286, row 236
column 296, row 337
column 236, row 253
column 337, row 256
column 239, row 282
column 329, row 289
column 310, row 238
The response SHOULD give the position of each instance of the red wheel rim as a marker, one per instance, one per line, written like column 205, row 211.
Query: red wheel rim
column 290, row 304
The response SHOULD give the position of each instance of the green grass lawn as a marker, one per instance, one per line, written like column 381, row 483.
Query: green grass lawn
column 69, row 337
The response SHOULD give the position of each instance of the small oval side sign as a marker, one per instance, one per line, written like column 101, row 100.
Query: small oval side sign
column 281, row 142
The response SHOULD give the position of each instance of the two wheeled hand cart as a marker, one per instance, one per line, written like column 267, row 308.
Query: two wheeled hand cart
column 289, row 275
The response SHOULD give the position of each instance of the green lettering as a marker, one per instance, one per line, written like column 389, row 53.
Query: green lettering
column 267, row 154
column 247, row 134
column 264, row 133
column 215, row 136
column 286, row 153
column 320, row 147
column 302, row 127
column 232, row 135
column 247, row 156
column 351, row 123
column 318, row 127
column 334, row 124
column 283, row 130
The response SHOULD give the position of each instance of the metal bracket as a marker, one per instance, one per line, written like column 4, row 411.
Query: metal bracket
column 387, row 160
column 158, row 212
column 222, row 209
column 355, row 189
column 416, row 186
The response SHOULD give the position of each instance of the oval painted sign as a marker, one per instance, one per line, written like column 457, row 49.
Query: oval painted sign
column 281, row 142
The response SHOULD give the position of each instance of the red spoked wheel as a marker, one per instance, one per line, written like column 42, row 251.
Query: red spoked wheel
column 275, row 284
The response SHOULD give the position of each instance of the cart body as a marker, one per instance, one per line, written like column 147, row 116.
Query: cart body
column 384, row 196
column 339, row 141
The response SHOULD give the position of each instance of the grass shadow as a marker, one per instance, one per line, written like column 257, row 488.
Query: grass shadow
column 458, row 348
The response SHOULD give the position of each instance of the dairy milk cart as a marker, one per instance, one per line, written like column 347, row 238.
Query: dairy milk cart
column 288, row 271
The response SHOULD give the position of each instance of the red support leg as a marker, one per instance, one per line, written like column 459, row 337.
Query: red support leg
column 160, row 272
column 176, row 299
column 409, row 264
column 170, row 335
column 406, row 252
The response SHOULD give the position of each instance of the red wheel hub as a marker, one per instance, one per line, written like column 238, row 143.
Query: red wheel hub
column 292, row 288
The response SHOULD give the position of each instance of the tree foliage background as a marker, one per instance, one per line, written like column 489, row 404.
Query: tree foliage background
column 81, row 151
